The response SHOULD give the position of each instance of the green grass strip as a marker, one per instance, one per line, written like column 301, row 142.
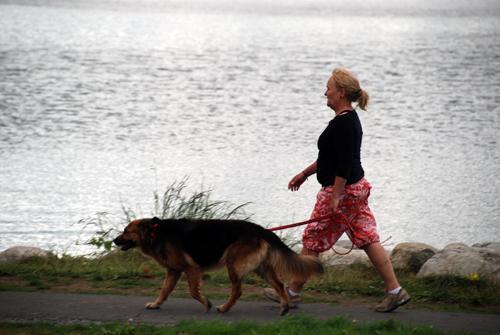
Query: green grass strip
column 292, row 325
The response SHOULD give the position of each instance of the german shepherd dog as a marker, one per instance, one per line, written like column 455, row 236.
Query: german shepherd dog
column 193, row 246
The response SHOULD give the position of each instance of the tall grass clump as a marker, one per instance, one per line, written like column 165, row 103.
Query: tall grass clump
column 174, row 203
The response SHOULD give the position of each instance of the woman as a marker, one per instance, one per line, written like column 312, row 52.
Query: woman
column 344, row 193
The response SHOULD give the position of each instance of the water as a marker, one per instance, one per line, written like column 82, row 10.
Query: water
column 101, row 103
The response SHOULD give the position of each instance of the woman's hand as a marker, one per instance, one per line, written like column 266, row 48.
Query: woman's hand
column 334, row 204
column 338, row 189
column 296, row 181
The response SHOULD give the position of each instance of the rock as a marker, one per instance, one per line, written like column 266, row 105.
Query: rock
column 462, row 260
column 491, row 245
column 356, row 256
column 20, row 252
column 411, row 256
column 346, row 244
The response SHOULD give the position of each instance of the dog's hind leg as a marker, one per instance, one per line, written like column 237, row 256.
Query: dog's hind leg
column 168, row 285
column 241, row 258
column 269, row 275
column 194, row 281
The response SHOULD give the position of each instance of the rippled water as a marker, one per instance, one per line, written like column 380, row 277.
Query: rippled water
column 101, row 103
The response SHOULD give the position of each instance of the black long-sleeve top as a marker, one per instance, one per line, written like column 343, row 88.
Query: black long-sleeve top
column 340, row 150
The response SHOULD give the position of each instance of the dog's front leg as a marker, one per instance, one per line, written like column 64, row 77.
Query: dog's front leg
column 169, row 282
column 235, row 290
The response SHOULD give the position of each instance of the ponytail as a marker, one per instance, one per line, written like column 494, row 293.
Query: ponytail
column 363, row 99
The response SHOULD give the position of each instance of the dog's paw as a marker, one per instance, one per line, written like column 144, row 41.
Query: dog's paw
column 208, row 306
column 284, row 310
column 222, row 309
column 152, row 305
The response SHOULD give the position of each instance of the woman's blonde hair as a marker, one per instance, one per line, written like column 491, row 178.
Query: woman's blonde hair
column 344, row 79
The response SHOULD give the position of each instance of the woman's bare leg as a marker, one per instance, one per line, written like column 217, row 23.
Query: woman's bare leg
column 382, row 263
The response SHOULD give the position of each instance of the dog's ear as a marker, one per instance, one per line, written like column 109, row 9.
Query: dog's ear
column 151, row 224
column 145, row 228
column 150, row 230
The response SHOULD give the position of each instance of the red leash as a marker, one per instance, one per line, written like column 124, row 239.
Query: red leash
column 309, row 221
column 319, row 219
column 301, row 223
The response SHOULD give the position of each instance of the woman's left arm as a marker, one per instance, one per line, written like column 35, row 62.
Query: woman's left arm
column 338, row 188
column 344, row 154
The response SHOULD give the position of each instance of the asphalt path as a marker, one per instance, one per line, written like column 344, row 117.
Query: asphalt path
column 68, row 308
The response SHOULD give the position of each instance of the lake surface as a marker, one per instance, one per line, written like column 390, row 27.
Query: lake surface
column 104, row 102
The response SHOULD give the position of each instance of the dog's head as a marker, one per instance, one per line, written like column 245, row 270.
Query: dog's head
column 137, row 233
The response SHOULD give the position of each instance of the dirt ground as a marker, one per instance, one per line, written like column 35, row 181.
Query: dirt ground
column 72, row 307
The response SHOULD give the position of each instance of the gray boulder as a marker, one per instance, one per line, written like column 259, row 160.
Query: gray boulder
column 411, row 256
column 21, row 252
column 356, row 256
column 462, row 260
column 347, row 244
column 491, row 245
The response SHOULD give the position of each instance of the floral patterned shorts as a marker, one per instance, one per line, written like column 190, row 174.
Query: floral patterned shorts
column 353, row 217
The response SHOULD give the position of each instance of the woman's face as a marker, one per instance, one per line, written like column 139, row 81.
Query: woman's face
column 333, row 95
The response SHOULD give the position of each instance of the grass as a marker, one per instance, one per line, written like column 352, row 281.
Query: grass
column 132, row 273
column 174, row 204
column 289, row 325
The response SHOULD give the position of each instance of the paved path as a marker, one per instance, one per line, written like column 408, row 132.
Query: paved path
column 63, row 307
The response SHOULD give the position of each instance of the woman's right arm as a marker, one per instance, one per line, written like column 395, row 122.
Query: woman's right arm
column 300, row 178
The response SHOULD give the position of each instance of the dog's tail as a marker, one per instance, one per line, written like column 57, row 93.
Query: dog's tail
column 287, row 263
